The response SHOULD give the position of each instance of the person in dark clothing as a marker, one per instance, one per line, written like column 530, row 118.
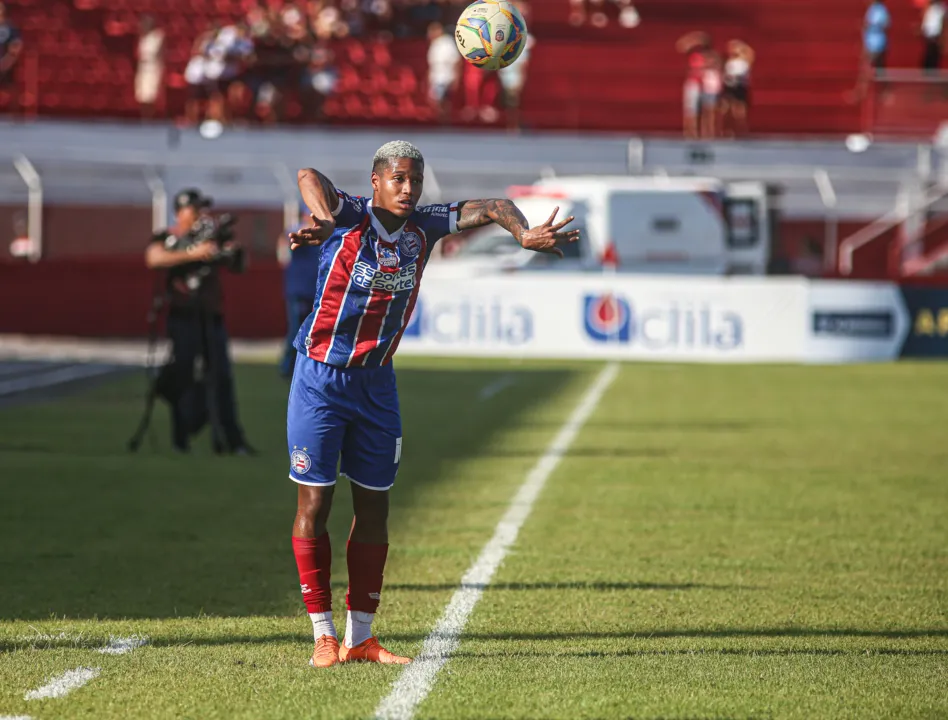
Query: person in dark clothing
column 192, row 251
column 300, row 275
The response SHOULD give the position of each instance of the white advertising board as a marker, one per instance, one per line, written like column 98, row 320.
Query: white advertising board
column 626, row 317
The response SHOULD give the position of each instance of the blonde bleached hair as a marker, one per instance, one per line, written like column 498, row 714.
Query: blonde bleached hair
column 395, row 150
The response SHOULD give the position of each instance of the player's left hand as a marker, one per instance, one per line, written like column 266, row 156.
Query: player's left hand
column 319, row 233
column 546, row 237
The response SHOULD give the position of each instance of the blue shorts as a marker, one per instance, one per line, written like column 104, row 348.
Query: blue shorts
column 350, row 413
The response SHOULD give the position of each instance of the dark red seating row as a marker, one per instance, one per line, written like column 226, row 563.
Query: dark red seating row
column 613, row 79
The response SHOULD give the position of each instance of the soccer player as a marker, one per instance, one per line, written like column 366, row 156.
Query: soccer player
column 343, row 399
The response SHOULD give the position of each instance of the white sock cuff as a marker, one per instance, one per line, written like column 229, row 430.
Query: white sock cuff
column 362, row 617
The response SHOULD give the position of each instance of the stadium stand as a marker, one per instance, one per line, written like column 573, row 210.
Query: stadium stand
column 80, row 63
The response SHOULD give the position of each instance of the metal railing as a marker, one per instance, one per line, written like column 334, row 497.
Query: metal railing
column 902, row 212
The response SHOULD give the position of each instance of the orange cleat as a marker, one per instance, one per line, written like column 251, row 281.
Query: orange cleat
column 370, row 651
column 326, row 652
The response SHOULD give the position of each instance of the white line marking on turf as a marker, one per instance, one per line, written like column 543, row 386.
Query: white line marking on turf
column 121, row 646
column 491, row 389
column 414, row 684
column 15, row 717
column 62, row 685
column 53, row 377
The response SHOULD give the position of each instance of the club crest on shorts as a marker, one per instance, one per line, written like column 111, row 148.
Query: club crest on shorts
column 300, row 462
column 409, row 244
column 388, row 258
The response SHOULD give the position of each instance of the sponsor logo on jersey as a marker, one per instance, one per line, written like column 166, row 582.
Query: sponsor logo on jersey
column 409, row 244
column 300, row 462
column 367, row 277
column 358, row 203
column 387, row 257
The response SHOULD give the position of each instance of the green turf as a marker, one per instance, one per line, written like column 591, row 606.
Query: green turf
column 720, row 542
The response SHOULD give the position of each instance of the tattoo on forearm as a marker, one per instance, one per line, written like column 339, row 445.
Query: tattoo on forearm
column 476, row 213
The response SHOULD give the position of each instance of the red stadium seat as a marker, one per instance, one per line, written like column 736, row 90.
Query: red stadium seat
column 807, row 57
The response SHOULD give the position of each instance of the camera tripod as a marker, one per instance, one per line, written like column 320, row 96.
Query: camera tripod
column 164, row 382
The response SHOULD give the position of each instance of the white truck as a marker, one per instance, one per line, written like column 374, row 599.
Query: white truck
column 665, row 225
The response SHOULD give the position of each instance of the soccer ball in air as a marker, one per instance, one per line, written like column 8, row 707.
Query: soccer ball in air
column 491, row 34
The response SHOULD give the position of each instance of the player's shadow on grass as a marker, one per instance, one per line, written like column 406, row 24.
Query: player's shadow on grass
column 89, row 530
column 710, row 425
column 707, row 652
column 600, row 453
column 784, row 632
column 603, row 586
column 91, row 641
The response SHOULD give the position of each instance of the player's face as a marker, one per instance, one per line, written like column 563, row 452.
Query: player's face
column 398, row 187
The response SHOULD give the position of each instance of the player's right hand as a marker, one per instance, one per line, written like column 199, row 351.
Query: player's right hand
column 319, row 233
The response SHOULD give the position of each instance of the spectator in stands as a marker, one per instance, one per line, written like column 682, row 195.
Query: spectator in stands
column 736, row 95
column 933, row 32
column 480, row 94
column 695, row 45
column 228, row 56
column 151, row 66
column 295, row 22
column 513, row 78
column 10, row 48
column 443, row 65
column 194, row 75
column 875, row 43
column 319, row 81
column 598, row 11
column 712, row 84
column 258, row 20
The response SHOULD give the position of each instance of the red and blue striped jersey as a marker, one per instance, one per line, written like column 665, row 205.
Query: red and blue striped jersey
column 368, row 283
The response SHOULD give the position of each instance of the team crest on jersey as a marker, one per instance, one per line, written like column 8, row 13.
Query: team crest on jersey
column 409, row 244
column 300, row 462
column 387, row 257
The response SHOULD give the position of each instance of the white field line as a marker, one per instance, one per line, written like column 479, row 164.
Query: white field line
column 53, row 377
column 417, row 680
column 492, row 388
column 62, row 685
column 121, row 646
column 21, row 368
column 15, row 717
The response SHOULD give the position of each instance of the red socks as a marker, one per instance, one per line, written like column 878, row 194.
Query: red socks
column 313, row 560
column 366, row 563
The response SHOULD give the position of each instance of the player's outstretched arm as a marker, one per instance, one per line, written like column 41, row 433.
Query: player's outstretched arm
column 321, row 198
column 543, row 238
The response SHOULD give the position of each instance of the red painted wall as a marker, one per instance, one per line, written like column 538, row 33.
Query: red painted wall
column 111, row 298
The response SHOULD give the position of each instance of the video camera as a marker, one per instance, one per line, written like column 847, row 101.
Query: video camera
column 218, row 229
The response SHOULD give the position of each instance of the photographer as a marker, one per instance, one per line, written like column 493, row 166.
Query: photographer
column 192, row 252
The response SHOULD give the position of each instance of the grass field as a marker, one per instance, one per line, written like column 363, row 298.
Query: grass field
column 719, row 542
